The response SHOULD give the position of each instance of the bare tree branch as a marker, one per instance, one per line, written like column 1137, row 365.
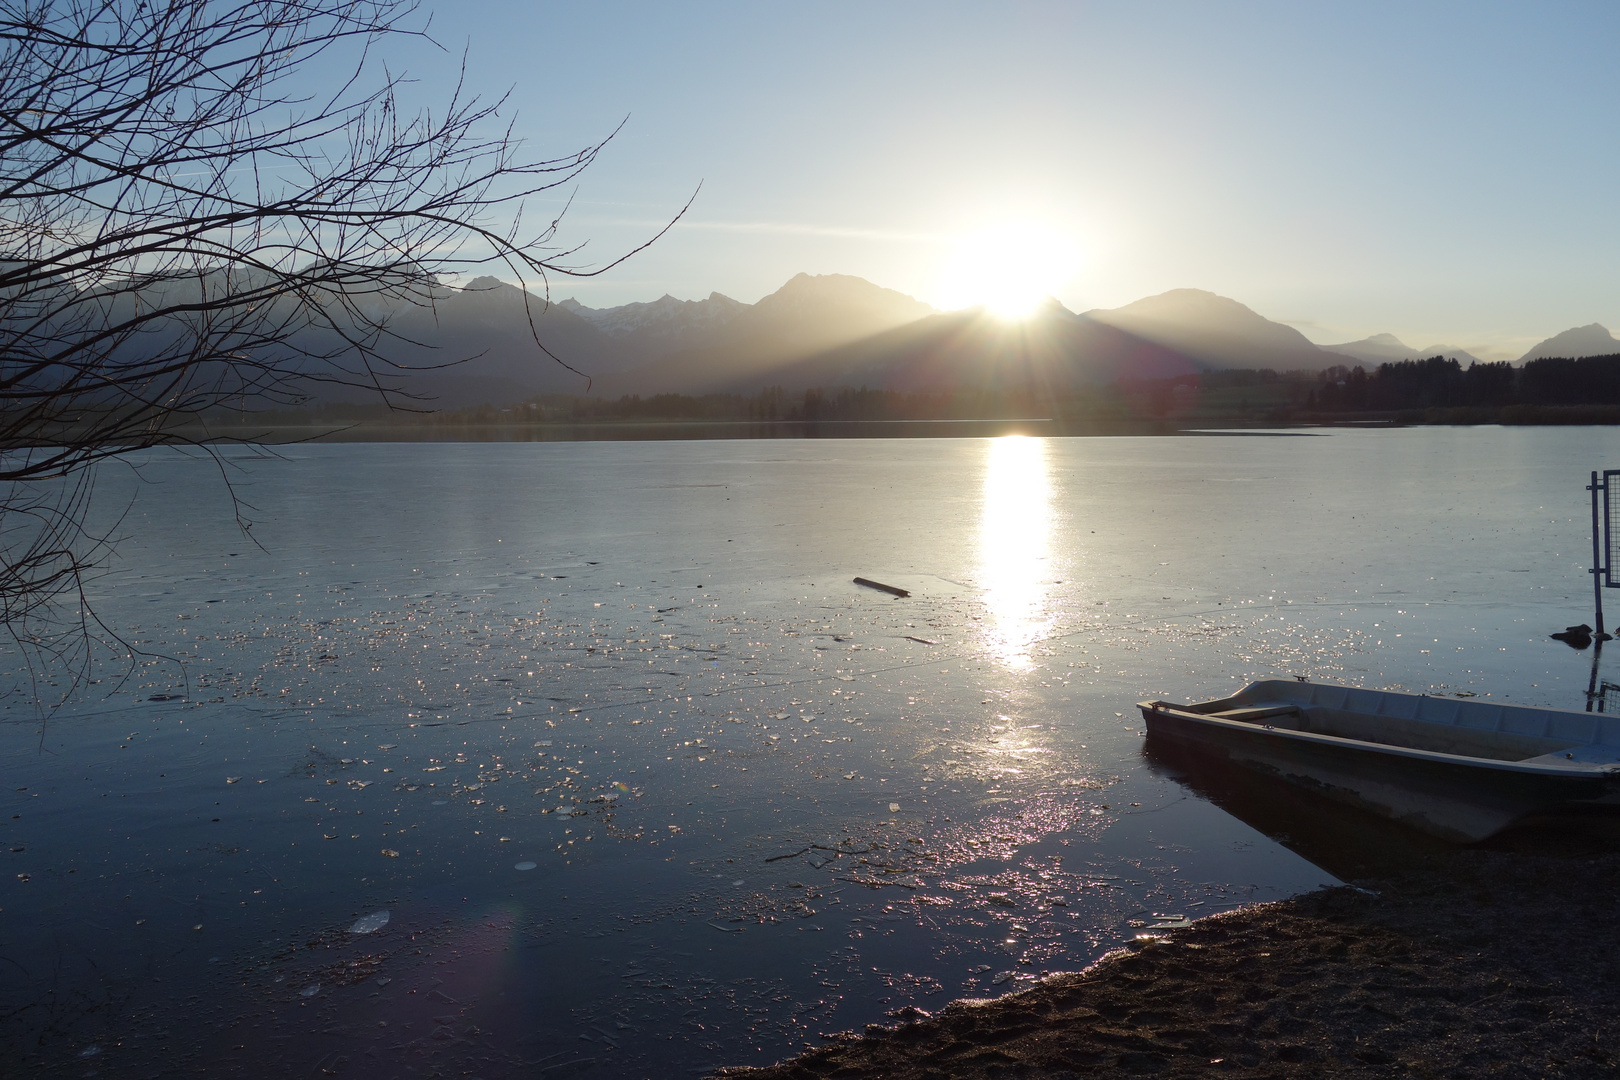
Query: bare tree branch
column 185, row 223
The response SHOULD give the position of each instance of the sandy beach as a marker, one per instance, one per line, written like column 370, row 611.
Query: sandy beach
column 1479, row 963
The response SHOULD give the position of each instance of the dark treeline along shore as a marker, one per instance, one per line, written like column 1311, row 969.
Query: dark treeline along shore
column 1443, row 391
column 1436, row 390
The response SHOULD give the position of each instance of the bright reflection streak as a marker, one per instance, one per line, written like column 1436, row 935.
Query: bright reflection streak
column 1014, row 539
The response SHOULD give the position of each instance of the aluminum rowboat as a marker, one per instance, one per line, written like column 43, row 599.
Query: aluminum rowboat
column 1462, row 770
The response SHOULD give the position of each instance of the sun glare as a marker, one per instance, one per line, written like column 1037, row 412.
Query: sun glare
column 1015, row 548
column 1009, row 270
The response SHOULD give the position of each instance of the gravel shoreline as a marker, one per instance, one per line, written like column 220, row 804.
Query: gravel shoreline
column 1476, row 963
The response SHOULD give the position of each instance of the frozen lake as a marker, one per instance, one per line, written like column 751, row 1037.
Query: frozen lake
column 647, row 785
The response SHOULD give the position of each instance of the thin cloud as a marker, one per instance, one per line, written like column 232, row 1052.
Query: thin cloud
column 786, row 228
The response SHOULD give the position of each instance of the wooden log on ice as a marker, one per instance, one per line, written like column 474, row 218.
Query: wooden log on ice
column 880, row 587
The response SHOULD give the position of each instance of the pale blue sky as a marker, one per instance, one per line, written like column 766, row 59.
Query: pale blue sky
column 1445, row 172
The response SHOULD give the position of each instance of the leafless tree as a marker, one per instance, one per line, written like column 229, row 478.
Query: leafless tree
column 185, row 223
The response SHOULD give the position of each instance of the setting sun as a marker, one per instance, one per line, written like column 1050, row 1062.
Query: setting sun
column 1009, row 270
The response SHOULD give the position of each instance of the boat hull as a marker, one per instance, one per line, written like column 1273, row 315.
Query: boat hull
column 1458, row 798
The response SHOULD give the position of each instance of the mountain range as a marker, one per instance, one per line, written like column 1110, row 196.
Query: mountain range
column 837, row 330
column 1387, row 348
column 1589, row 340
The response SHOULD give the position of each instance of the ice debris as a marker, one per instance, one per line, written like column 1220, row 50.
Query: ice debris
column 368, row 924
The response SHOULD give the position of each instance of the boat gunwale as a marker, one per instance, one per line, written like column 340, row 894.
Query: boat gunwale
column 1550, row 769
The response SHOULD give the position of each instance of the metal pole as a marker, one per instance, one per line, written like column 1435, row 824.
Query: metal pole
column 1597, row 558
column 1594, row 696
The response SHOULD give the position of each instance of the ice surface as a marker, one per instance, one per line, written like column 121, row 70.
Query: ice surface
column 411, row 693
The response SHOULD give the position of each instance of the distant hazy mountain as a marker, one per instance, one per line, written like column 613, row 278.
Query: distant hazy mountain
column 666, row 314
column 475, row 344
column 1387, row 349
column 807, row 315
column 1217, row 331
column 643, row 332
column 1174, row 334
column 1378, row 349
column 478, row 344
column 837, row 330
column 1054, row 349
column 815, row 312
column 1591, row 340
column 1450, row 352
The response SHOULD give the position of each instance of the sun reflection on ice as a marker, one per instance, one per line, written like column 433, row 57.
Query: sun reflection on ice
column 1015, row 536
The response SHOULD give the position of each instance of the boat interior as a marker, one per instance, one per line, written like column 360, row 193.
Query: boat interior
column 1436, row 724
